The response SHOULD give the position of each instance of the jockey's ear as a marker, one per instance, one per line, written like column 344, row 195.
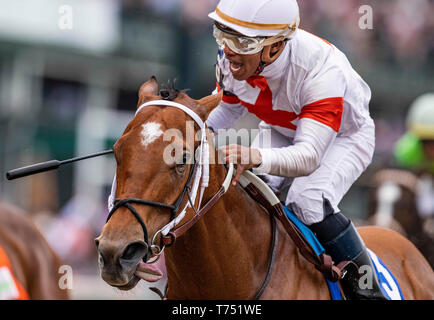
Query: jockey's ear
column 148, row 91
column 208, row 103
column 272, row 52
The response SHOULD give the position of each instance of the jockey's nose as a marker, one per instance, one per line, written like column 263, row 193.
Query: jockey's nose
column 228, row 52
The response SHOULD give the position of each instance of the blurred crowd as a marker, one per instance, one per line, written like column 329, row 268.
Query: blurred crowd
column 402, row 30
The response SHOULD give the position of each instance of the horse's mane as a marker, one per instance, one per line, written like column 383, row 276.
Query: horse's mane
column 169, row 92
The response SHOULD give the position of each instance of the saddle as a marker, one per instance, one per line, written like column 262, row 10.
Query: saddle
column 309, row 246
column 303, row 238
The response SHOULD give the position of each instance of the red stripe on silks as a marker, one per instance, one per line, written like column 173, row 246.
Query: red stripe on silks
column 327, row 111
column 228, row 99
column 263, row 108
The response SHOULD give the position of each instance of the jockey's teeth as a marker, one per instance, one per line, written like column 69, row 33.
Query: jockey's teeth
column 235, row 66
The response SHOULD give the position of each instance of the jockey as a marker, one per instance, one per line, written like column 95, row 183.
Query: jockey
column 415, row 150
column 315, row 113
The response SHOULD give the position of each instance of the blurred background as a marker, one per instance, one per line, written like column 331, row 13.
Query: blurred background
column 69, row 89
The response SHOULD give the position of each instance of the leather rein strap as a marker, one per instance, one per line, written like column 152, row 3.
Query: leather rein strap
column 273, row 249
column 171, row 237
column 323, row 262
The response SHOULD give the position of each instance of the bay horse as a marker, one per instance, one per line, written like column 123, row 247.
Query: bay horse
column 393, row 205
column 225, row 254
column 32, row 262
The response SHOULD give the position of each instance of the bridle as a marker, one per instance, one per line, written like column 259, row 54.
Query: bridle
column 118, row 203
column 199, row 170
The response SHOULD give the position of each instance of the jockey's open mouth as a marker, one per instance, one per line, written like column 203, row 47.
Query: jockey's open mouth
column 235, row 66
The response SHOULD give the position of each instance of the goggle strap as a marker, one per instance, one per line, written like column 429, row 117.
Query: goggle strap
column 278, row 37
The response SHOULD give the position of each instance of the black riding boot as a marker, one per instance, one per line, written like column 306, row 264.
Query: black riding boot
column 341, row 241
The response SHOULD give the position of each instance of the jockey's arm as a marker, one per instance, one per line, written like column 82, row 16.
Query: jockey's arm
column 303, row 157
column 319, row 121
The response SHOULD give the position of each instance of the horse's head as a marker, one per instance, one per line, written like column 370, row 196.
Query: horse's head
column 154, row 166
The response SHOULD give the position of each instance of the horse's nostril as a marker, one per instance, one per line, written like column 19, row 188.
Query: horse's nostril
column 97, row 242
column 134, row 251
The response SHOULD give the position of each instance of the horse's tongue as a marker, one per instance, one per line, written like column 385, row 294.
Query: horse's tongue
column 148, row 272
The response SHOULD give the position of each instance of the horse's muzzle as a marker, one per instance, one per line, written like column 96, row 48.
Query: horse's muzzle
column 118, row 263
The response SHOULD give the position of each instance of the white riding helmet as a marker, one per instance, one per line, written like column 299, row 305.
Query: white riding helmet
column 420, row 118
column 255, row 18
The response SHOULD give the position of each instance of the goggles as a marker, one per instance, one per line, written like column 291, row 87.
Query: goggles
column 246, row 45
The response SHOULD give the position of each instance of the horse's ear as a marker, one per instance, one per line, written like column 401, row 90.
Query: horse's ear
column 148, row 91
column 208, row 103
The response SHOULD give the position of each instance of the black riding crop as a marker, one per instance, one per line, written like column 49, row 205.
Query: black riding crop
column 48, row 165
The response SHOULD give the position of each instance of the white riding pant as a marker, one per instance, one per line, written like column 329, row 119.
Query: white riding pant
column 343, row 163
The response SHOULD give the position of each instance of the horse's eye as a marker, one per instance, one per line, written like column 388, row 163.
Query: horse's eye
column 180, row 167
column 185, row 158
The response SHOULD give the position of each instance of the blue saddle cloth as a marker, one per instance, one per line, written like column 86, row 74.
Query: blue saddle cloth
column 388, row 283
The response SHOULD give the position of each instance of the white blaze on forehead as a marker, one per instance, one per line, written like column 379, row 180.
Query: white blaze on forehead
column 150, row 132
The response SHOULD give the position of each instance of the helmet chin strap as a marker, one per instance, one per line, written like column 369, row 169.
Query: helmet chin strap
column 261, row 65
column 268, row 58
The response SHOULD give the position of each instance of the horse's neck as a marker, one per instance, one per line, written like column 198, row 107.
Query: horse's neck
column 225, row 254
